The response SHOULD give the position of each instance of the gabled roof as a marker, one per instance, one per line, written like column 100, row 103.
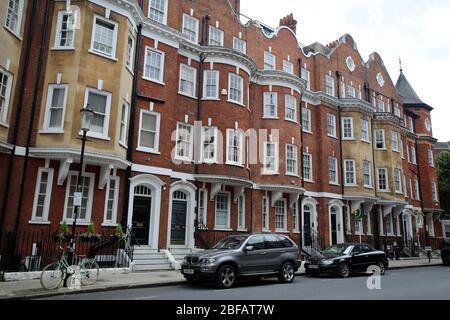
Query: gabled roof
column 409, row 95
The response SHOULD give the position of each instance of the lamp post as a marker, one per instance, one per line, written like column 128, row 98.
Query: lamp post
column 86, row 118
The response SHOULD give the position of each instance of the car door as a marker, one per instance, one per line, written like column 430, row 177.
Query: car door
column 273, row 250
column 253, row 261
column 369, row 257
column 358, row 258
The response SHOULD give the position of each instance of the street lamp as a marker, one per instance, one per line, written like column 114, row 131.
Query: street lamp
column 87, row 115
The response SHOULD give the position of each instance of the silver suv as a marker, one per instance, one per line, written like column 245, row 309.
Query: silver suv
column 244, row 256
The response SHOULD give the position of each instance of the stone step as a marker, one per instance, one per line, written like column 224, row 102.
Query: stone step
column 150, row 261
column 151, row 267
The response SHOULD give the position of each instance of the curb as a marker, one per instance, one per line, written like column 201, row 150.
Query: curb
column 99, row 289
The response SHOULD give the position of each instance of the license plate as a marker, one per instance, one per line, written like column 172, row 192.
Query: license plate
column 188, row 271
column 313, row 266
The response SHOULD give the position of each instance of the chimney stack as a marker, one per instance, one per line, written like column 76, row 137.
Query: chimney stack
column 289, row 22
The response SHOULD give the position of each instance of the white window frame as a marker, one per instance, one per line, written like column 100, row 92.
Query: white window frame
column 87, row 220
column 48, row 195
column 295, row 217
column 47, row 116
column 294, row 160
column 108, row 95
column 416, row 187
column 113, row 221
column 365, row 130
column 284, row 229
column 275, row 156
column 348, row 222
column 306, row 120
column 434, row 192
column 115, row 34
column 381, row 105
column 368, row 223
column 220, row 32
column 159, row 80
column 385, row 170
column 203, row 205
column 240, row 148
column 240, row 45
column 216, row 76
column 189, row 157
column 123, row 129
column 370, row 185
column 347, row 182
column 402, row 148
column 241, row 214
column 241, row 89
column 430, row 226
column 268, row 104
column 223, row 227
column 155, row 149
column 430, row 158
column 268, row 64
column 344, row 136
column 196, row 21
column 306, row 75
column 413, row 155
column 329, row 85
column 445, row 224
column 130, row 53
column 17, row 30
column 398, row 174
column 380, row 221
column 331, row 123
column 71, row 28
column 5, row 110
column 290, row 108
column 288, row 67
column 214, row 159
column 394, row 139
column 265, row 214
column 406, row 186
column 351, row 91
column 383, row 140
column 164, row 20
column 188, row 70
column 310, row 169
column 390, row 225
column 334, row 161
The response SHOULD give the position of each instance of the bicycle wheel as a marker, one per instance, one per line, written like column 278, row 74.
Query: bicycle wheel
column 52, row 276
column 89, row 272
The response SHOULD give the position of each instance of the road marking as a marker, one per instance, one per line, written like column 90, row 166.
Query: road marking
column 144, row 298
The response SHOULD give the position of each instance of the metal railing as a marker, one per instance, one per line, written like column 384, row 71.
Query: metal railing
column 32, row 251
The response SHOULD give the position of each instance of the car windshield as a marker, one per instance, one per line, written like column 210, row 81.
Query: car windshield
column 230, row 243
column 339, row 249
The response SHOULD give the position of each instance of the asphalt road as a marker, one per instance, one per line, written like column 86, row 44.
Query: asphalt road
column 429, row 283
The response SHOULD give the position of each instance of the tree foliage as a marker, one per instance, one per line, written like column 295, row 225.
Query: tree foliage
column 443, row 171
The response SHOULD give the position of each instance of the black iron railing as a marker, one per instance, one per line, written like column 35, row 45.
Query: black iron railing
column 32, row 251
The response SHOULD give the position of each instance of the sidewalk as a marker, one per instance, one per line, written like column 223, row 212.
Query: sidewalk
column 107, row 281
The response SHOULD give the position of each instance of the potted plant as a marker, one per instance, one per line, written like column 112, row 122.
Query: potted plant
column 119, row 234
column 91, row 234
column 63, row 233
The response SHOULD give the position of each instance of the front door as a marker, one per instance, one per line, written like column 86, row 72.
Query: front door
column 334, row 234
column 307, row 239
column 141, row 219
column 178, row 226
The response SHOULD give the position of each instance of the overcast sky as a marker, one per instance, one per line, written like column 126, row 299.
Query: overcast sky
column 418, row 31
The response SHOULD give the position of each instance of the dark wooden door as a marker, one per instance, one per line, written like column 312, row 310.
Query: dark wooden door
column 178, row 225
column 334, row 229
column 141, row 219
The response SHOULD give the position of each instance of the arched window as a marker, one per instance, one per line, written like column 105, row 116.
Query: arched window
column 179, row 195
column 142, row 191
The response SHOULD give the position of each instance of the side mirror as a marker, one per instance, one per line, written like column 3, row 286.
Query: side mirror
column 249, row 248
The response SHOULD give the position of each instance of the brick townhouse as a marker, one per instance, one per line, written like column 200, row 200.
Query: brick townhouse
column 207, row 123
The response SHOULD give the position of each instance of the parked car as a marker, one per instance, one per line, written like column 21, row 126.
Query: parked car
column 445, row 253
column 344, row 259
column 244, row 256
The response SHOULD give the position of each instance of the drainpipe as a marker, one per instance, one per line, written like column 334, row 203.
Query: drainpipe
column 427, row 236
column 299, row 61
column 132, row 124
column 33, row 111
column 19, row 106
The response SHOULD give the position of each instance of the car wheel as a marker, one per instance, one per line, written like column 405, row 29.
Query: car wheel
column 287, row 273
column 226, row 277
column 380, row 265
column 344, row 270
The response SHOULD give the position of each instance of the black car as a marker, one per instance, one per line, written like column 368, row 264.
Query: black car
column 344, row 259
column 244, row 256
column 445, row 253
